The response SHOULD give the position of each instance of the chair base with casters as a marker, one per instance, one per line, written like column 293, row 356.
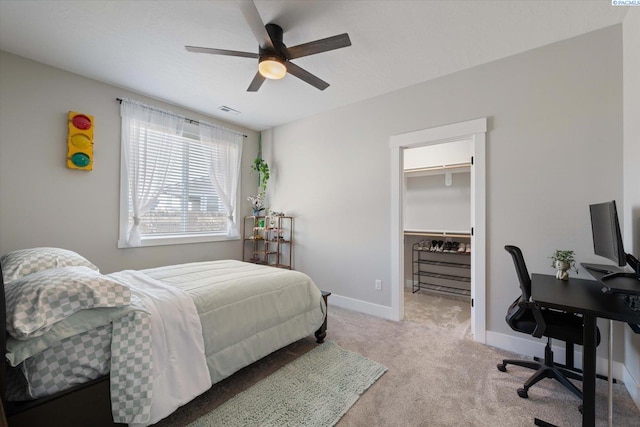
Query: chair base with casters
column 544, row 369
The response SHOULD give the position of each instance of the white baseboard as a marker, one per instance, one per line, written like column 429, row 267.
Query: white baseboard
column 632, row 385
column 531, row 348
column 377, row 310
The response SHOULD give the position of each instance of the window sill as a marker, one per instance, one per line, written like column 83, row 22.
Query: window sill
column 176, row 240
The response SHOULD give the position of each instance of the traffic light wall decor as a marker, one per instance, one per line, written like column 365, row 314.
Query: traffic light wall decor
column 80, row 141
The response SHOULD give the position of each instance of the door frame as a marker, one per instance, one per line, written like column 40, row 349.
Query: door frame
column 475, row 130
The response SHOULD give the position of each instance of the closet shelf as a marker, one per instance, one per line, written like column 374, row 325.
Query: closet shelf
column 424, row 233
column 444, row 263
column 438, row 169
column 444, row 276
column 450, row 166
column 445, row 290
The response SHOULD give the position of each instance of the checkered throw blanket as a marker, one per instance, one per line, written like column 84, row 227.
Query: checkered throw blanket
column 155, row 355
column 131, row 369
column 124, row 348
column 179, row 367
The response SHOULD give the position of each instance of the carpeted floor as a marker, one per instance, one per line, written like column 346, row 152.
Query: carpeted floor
column 437, row 376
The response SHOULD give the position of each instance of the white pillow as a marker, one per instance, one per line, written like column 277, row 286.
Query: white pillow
column 23, row 262
column 37, row 301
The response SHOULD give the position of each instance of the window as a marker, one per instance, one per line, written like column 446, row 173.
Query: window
column 179, row 180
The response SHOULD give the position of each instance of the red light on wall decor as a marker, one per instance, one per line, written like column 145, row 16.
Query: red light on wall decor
column 82, row 122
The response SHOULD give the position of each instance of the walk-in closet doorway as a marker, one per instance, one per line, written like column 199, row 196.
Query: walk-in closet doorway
column 437, row 219
column 464, row 224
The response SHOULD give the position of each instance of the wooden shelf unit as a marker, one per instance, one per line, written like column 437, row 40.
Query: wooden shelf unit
column 268, row 240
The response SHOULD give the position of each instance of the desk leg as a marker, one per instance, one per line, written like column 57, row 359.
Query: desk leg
column 589, row 375
column 610, row 378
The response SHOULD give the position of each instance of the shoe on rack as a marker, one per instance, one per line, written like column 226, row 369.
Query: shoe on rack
column 440, row 246
column 434, row 245
column 462, row 248
column 468, row 250
column 455, row 246
column 447, row 247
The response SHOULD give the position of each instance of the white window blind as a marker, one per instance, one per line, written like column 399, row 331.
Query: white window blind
column 170, row 191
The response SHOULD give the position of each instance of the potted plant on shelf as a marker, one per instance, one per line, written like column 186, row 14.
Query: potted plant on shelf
column 563, row 261
column 257, row 204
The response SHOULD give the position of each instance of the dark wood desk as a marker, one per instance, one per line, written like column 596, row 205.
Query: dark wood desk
column 584, row 297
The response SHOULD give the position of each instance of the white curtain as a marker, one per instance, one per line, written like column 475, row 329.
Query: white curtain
column 225, row 168
column 143, row 127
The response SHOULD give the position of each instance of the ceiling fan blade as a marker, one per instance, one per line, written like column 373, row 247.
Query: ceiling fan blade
column 256, row 82
column 322, row 45
column 250, row 12
column 306, row 76
column 213, row 51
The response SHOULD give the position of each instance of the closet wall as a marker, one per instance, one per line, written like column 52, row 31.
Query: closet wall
column 437, row 199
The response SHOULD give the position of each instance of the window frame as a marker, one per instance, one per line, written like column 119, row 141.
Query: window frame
column 190, row 131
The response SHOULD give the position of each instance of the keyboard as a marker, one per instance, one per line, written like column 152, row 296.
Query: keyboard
column 633, row 301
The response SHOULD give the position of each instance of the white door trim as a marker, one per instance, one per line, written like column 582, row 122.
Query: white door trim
column 476, row 131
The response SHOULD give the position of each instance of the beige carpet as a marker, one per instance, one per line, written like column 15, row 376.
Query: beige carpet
column 437, row 376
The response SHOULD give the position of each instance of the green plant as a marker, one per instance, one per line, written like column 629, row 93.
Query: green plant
column 262, row 168
column 564, row 256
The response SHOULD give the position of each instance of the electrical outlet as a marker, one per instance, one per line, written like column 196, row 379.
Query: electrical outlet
column 378, row 285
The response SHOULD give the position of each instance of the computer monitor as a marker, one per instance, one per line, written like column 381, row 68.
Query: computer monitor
column 607, row 239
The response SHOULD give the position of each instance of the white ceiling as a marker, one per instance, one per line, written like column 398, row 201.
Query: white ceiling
column 139, row 45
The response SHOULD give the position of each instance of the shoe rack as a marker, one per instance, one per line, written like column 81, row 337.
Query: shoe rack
column 441, row 263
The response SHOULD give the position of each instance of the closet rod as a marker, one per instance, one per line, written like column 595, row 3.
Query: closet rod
column 191, row 121
column 442, row 167
column 436, row 234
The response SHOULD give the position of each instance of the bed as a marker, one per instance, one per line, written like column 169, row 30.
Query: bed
column 83, row 348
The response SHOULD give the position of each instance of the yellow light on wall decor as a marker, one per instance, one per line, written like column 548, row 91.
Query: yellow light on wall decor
column 80, row 141
column 272, row 67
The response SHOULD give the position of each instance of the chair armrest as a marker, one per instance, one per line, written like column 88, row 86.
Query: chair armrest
column 541, row 325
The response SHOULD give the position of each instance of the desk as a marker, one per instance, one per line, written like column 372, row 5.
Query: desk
column 583, row 297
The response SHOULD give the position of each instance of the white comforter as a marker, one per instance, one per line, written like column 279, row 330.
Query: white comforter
column 247, row 311
column 179, row 365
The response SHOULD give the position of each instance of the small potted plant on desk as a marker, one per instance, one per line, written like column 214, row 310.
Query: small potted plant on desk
column 563, row 261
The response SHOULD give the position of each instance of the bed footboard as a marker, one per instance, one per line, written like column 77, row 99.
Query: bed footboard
column 322, row 332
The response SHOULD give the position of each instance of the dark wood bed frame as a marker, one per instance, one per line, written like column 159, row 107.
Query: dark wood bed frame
column 87, row 404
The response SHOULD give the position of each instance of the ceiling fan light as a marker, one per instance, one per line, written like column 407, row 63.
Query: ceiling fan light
column 272, row 67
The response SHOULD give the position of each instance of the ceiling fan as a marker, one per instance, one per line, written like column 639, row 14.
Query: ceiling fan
column 274, row 57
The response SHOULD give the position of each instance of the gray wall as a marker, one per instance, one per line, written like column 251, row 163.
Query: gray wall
column 554, row 146
column 631, row 42
column 42, row 203
column 430, row 205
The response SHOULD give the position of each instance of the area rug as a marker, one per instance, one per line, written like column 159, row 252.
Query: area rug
column 314, row 390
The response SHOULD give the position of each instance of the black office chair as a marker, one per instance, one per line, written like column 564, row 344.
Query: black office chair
column 525, row 316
